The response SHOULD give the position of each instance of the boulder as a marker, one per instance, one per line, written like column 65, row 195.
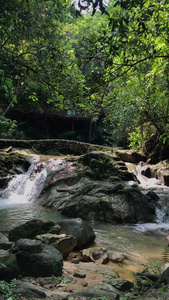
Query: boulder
column 9, row 268
column 94, row 189
column 38, row 260
column 5, row 244
column 98, row 255
column 28, row 245
column 80, row 229
column 120, row 284
column 25, row 289
column 152, row 196
column 128, row 205
column 64, row 243
column 79, row 274
column 130, row 156
column 163, row 280
column 101, row 290
column 30, row 229
column 101, row 164
column 55, row 229
column 131, row 206
column 117, row 257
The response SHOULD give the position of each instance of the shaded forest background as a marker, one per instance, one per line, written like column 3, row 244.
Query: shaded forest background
column 93, row 71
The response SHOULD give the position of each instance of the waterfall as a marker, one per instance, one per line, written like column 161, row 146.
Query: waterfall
column 152, row 184
column 27, row 186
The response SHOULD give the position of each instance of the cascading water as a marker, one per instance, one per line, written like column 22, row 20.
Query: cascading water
column 136, row 241
column 17, row 200
column 162, row 209
column 27, row 186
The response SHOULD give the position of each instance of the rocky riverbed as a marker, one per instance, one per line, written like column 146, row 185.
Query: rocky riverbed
column 92, row 186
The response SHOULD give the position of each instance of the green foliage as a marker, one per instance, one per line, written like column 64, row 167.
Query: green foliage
column 154, row 268
column 117, row 60
column 6, row 91
column 165, row 254
column 165, row 137
column 7, row 289
column 135, row 139
column 126, row 298
column 101, row 166
column 9, row 128
column 142, row 283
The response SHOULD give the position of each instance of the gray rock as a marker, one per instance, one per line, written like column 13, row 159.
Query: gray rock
column 106, row 272
column 55, row 229
column 80, row 229
column 131, row 206
column 94, row 189
column 117, row 257
column 163, row 280
column 130, row 156
column 9, row 268
column 98, row 255
column 79, row 274
column 99, row 290
column 64, row 243
column 24, row 289
column 46, row 263
column 120, row 284
column 28, row 245
column 30, row 229
column 5, row 244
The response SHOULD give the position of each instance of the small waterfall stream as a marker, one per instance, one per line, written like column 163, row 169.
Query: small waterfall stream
column 17, row 200
column 139, row 242
column 26, row 187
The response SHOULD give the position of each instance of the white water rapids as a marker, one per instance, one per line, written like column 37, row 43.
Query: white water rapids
column 139, row 242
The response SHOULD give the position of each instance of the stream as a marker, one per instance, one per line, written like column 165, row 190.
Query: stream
column 140, row 242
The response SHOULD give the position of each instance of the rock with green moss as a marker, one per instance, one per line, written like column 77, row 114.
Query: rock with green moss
column 9, row 268
column 47, row 261
column 92, row 187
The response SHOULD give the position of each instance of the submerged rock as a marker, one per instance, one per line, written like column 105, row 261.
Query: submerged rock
column 30, row 229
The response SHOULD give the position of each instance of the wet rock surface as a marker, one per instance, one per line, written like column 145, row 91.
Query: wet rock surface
column 80, row 229
column 11, row 164
column 92, row 187
column 41, row 255
column 30, row 229
column 64, row 243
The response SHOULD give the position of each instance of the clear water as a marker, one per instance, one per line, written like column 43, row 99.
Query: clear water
column 13, row 214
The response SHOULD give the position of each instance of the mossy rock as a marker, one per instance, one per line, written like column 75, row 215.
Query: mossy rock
column 101, row 164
